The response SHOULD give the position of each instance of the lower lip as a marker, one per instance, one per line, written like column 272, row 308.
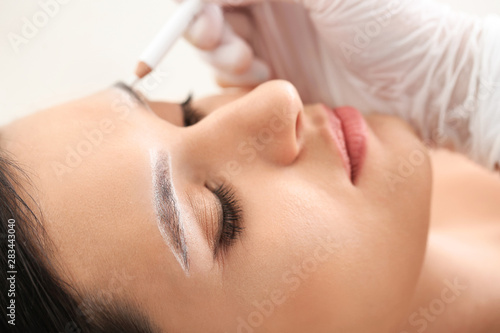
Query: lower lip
column 352, row 139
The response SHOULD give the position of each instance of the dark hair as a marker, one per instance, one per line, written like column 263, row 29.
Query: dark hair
column 43, row 301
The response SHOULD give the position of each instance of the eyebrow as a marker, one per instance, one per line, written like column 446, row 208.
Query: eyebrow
column 167, row 208
column 131, row 92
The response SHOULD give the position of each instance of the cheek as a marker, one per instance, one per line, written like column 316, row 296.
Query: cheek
column 289, row 251
column 331, row 256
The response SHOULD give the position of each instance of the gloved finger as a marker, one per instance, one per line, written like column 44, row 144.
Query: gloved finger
column 315, row 5
column 257, row 73
column 237, row 3
column 207, row 30
column 240, row 20
column 233, row 55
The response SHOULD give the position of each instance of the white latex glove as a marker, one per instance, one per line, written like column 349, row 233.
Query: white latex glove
column 437, row 69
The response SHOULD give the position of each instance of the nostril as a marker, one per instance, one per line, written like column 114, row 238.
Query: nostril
column 298, row 126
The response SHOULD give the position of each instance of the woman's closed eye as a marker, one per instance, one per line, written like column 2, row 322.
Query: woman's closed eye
column 190, row 115
column 230, row 212
column 230, row 219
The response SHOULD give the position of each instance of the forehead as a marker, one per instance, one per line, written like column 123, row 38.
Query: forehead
column 45, row 134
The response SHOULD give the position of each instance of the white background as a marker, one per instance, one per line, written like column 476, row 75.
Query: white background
column 88, row 45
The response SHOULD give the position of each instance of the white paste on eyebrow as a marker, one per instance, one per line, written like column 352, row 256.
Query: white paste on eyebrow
column 155, row 159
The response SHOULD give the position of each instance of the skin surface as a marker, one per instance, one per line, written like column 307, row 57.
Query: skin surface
column 317, row 253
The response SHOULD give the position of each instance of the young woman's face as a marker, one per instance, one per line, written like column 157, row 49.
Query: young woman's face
column 262, row 229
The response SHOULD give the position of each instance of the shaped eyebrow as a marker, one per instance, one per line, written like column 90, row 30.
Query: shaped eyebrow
column 167, row 208
column 131, row 92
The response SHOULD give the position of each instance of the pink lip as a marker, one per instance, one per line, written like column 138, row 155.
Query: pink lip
column 349, row 132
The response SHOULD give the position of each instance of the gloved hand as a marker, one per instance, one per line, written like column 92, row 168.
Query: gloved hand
column 415, row 59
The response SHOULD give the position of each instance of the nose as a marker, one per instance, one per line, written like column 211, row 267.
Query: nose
column 264, row 124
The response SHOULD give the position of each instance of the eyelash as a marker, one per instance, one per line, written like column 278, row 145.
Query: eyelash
column 191, row 115
column 231, row 221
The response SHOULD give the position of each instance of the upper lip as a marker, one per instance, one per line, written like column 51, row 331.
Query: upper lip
column 336, row 135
